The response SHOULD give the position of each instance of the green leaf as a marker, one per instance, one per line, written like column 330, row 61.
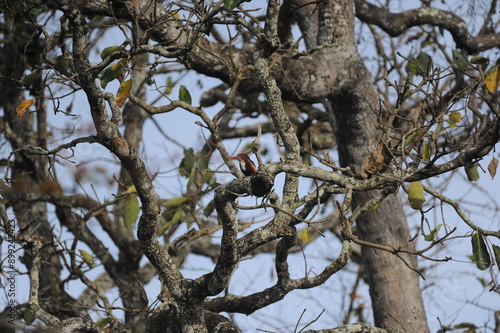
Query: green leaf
column 496, row 252
column 184, row 95
column 230, row 4
column 176, row 217
column 425, row 62
column 430, row 237
column 113, row 72
column 410, row 137
column 209, row 208
column 131, row 209
column 459, row 60
column 30, row 78
column 62, row 65
column 107, row 51
column 175, row 202
column 482, row 61
column 465, row 325
column 34, row 7
column 187, row 162
column 472, row 172
column 28, row 317
column 438, row 130
column 427, row 151
column 103, row 322
column 480, row 252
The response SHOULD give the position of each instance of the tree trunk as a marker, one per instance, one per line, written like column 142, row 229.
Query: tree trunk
column 394, row 288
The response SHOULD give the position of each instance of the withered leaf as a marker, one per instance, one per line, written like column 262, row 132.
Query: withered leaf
column 492, row 167
column 377, row 161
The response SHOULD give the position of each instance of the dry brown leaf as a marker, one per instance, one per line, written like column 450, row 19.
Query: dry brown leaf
column 23, row 107
column 492, row 167
column 377, row 161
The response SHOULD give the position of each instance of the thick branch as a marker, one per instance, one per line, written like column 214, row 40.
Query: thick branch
column 396, row 24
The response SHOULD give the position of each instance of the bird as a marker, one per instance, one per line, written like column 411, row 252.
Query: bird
column 247, row 166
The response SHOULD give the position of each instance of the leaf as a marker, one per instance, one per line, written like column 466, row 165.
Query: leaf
column 480, row 252
column 123, row 92
column 107, row 51
column 491, row 79
column 372, row 209
column 492, row 167
column 113, row 72
column 478, row 60
column 454, row 118
column 175, row 202
column 131, row 209
column 62, row 65
column 496, row 252
column 465, row 325
column 437, row 131
column 416, row 195
column 28, row 317
column 209, row 208
column 426, row 152
column 30, row 78
column 187, row 162
column 170, row 86
column 87, row 258
column 229, row 5
column 174, row 219
column 103, row 322
column 23, row 107
column 410, row 137
column 35, row 7
column 305, row 235
column 184, row 95
column 472, row 172
column 412, row 70
column 377, row 161
column 460, row 60
column 430, row 237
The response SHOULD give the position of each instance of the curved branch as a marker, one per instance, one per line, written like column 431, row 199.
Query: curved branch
column 251, row 303
column 396, row 24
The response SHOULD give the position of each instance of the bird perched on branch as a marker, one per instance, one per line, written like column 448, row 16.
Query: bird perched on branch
column 247, row 166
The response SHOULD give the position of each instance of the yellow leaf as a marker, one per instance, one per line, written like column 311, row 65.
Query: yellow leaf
column 426, row 153
column 170, row 85
column 491, row 80
column 372, row 209
column 123, row 92
column 454, row 118
column 23, row 107
column 87, row 258
column 416, row 195
column 305, row 235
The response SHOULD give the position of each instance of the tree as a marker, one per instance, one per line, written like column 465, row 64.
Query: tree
column 295, row 72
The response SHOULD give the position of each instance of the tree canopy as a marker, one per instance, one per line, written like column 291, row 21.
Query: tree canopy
column 128, row 203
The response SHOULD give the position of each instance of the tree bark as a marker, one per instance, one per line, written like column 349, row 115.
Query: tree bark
column 394, row 288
